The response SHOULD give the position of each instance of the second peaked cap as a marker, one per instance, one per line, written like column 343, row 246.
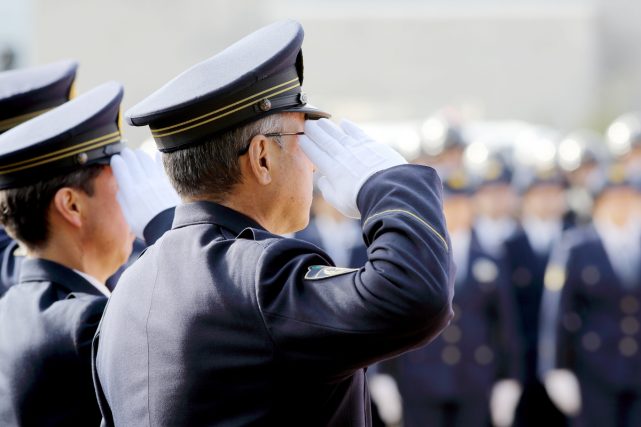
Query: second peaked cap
column 81, row 132
column 28, row 92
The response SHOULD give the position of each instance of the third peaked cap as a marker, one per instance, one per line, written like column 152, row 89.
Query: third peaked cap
column 259, row 75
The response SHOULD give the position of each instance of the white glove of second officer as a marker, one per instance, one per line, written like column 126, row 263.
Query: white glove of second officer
column 345, row 157
column 143, row 188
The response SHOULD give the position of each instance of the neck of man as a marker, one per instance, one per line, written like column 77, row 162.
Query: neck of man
column 253, row 205
column 69, row 251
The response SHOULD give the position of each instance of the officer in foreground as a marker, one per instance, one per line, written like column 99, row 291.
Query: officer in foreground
column 224, row 322
column 58, row 198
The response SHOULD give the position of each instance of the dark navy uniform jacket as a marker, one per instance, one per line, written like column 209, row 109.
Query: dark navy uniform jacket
column 597, row 317
column 47, row 322
column 527, row 271
column 223, row 323
column 480, row 346
column 46, row 326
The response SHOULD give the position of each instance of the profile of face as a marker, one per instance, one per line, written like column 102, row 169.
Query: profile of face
column 292, row 177
column 458, row 212
column 546, row 202
column 618, row 205
column 105, row 232
column 495, row 201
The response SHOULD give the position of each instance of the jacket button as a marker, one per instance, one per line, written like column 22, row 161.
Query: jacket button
column 572, row 322
column 628, row 346
column 629, row 325
column 452, row 334
column 483, row 355
column 591, row 341
column 451, row 355
column 629, row 304
column 590, row 275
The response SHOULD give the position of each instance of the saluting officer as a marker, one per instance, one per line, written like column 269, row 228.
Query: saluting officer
column 24, row 94
column 623, row 139
column 442, row 143
column 58, row 198
column 495, row 200
column 450, row 382
column 222, row 321
column 581, row 153
column 592, row 316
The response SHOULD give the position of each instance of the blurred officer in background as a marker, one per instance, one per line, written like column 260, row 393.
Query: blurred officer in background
column 591, row 316
column 582, row 155
column 25, row 94
column 442, row 143
column 58, row 198
column 623, row 138
column 495, row 200
column 223, row 321
column 527, row 253
column 476, row 360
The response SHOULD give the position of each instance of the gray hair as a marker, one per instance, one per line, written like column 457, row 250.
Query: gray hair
column 212, row 168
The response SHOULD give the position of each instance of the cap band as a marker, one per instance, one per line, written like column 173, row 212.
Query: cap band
column 267, row 96
column 102, row 142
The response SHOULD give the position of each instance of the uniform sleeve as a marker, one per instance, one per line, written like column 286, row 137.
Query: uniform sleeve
column 86, row 325
column 338, row 320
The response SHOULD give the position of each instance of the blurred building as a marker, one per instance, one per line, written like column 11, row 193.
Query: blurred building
column 565, row 64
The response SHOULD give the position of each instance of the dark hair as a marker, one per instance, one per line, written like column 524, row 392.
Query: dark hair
column 24, row 210
column 212, row 168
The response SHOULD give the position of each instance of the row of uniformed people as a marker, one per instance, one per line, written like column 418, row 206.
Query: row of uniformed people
column 582, row 217
column 589, row 342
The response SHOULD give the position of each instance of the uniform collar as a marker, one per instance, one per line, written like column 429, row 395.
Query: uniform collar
column 38, row 269
column 212, row 213
column 94, row 282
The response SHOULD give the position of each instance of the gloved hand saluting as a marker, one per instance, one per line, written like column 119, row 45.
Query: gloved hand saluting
column 345, row 157
column 143, row 188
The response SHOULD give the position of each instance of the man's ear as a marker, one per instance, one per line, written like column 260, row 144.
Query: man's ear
column 259, row 159
column 68, row 204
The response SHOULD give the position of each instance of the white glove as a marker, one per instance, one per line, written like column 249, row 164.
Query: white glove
column 143, row 188
column 563, row 388
column 385, row 394
column 503, row 400
column 345, row 157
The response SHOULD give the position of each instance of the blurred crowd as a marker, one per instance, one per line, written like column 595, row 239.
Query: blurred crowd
column 546, row 235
